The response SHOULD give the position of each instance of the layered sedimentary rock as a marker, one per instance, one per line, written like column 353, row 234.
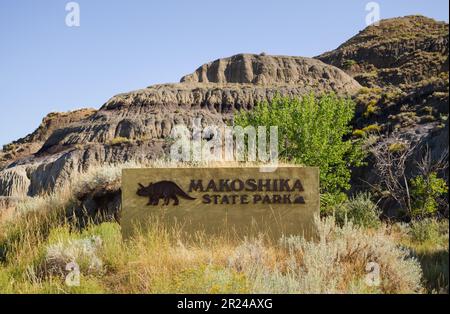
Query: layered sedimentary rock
column 397, row 51
column 272, row 70
column 396, row 72
column 137, row 125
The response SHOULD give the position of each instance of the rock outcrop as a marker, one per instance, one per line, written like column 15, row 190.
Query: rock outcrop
column 31, row 143
column 136, row 125
column 397, row 51
column 402, row 65
column 396, row 72
column 272, row 70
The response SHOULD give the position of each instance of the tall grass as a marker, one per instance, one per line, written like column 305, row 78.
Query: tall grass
column 37, row 245
column 428, row 241
column 159, row 260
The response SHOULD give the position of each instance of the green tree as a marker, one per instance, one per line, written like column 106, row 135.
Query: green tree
column 313, row 131
column 425, row 191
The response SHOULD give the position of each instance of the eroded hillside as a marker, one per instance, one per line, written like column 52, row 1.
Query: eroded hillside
column 136, row 125
column 402, row 65
column 397, row 73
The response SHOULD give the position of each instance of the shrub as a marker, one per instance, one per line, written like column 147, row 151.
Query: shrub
column 330, row 201
column 397, row 147
column 371, row 108
column 373, row 128
column 98, row 177
column 313, row 132
column 81, row 251
column 119, row 140
column 360, row 210
column 93, row 249
column 427, row 110
column 424, row 230
column 392, row 95
column 364, row 90
column 427, row 118
column 349, row 63
column 335, row 263
column 9, row 147
column 425, row 191
column 359, row 133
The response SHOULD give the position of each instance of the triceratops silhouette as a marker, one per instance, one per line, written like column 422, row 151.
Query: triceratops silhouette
column 165, row 190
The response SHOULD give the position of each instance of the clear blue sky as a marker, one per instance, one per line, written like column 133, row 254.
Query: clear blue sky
column 120, row 46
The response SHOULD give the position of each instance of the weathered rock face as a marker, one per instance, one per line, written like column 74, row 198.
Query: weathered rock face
column 403, row 66
column 40, row 174
column 272, row 70
column 151, row 113
column 31, row 143
column 135, row 125
column 397, row 51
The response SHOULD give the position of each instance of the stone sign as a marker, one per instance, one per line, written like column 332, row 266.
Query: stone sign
column 241, row 200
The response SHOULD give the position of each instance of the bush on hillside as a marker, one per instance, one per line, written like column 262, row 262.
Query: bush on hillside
column 360, row 210
column 313, row 131
column 425, row 192
column 424, row 230
column 337, row 262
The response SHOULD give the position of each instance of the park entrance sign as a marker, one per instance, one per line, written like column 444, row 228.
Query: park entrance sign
column 240, row 200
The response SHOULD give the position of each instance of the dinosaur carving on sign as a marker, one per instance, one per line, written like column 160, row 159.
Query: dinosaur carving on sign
column 165, row 190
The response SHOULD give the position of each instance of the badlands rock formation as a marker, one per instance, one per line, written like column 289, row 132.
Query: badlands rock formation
column 135, row 125
column 402, row 65
column 396, row 72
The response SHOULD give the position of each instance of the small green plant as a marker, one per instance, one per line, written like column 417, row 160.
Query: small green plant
column 359, row 133
column 427, row 110
column 360, row 210
column 364, row 90
column 424, row 230
column 373, row 128
column 119, row 140
column 349, row 63
column 391, row 96
column 425, row 190
column 330, row 201
column 397, row 147
column 427, row 118
column 371, row 108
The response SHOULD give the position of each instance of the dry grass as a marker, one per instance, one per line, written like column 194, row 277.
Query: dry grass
column 159, row 260
column 428, row 242
column 36, row 246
